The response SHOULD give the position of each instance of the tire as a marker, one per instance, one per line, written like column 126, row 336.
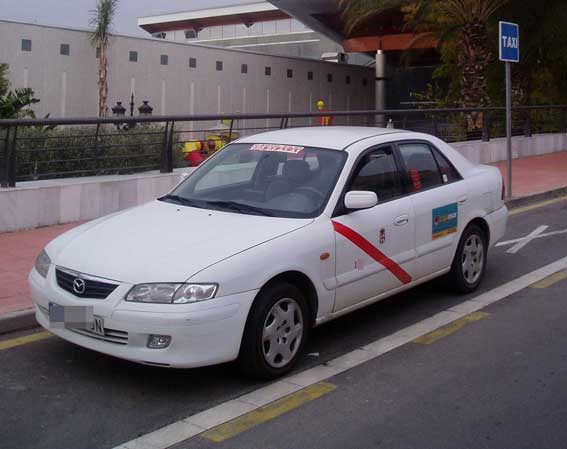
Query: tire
column 276, row 332
column 466, row 275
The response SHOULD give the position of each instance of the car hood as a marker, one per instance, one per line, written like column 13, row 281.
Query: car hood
column 162, row 242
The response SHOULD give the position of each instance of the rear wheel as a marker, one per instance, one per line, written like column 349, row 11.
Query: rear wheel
column 469, row 264
column 275, row 333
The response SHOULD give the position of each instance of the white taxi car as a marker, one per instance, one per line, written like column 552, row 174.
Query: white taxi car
column 273, row 235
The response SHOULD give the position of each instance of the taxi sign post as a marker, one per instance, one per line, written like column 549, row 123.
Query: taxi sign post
column 509, row 52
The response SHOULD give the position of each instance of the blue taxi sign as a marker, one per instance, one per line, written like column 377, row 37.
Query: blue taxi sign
column 509, row 42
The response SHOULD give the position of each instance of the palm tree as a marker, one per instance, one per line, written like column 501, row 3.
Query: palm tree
column 464, row 23
column 101, row 23
column 14, row 104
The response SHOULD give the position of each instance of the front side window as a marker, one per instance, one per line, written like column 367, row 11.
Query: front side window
column 378, row 173
column 272, row 180
column 422, row 170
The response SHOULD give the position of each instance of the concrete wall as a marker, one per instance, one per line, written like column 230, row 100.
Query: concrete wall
column 495, row 149
column 67, row 85
column 43, row 203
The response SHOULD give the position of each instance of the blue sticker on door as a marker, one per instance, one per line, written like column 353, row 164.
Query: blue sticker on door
column 445, row 220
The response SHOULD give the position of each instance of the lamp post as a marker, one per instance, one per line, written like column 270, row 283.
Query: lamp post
column 119, row 111
column 145, row 110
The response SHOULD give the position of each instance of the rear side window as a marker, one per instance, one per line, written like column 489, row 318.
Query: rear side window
column 448, row 172
column 378, row 173
column 422, row 170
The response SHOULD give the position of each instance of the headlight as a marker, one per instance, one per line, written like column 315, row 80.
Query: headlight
column 171, row 293
column 42, row 263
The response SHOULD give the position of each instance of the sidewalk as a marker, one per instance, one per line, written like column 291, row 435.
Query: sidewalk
column 18, row 250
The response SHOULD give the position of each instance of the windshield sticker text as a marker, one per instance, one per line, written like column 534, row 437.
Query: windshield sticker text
column 290, row 149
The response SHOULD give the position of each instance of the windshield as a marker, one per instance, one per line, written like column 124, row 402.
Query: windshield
column 262, row 179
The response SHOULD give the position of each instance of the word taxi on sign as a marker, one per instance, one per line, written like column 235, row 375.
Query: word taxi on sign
column 509, row 42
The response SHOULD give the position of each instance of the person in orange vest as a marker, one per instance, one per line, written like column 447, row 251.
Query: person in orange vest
column 324, row 120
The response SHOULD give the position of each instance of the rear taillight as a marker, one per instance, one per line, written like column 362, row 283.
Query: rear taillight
column 503, row 189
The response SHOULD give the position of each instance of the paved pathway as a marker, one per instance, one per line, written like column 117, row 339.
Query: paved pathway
column 537, row 174
column 18, row 250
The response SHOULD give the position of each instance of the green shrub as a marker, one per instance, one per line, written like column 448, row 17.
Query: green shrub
column 82, row 151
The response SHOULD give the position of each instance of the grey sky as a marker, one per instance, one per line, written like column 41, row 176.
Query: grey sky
column 76, row 13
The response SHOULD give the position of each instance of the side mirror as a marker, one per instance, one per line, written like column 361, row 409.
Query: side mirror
column 358, row 199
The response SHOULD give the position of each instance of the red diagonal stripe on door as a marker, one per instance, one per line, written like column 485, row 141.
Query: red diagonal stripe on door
column 372, row 251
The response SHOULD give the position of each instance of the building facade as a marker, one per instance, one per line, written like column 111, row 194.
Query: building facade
column 176, row 78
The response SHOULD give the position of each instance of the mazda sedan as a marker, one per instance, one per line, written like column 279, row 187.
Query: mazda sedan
column 275, row 234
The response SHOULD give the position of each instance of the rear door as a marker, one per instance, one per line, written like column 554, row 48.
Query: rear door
column 374, row 247
column 439, row 199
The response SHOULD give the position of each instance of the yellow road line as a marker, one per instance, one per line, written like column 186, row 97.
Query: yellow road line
column 268, row 412
column 521, row 210
column 551, row 280
column 450, row 328
column 7, row 344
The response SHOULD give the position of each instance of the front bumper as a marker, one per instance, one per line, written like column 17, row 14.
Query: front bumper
column 202, row 334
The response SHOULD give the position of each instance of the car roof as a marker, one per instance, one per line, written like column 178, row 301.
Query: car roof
column 330, row 137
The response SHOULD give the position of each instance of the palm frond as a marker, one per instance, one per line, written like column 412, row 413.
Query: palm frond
column 101, row 22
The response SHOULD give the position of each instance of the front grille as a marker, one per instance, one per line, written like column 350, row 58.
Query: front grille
column 92, row 289
column 110, row 335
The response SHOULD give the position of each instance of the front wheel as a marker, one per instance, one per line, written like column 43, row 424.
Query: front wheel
column 469, row 263
column 275, row 333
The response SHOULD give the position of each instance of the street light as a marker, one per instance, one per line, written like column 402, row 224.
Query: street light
column 119, row 111
column 145, row 110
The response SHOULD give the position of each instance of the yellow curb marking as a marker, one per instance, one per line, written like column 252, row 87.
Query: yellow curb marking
column 521, row 210
column 7, row 344
column 551, row 280
column 450, row 328
column 268, row 412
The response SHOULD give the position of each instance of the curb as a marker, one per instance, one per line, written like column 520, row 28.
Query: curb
column 18, row 321
column 25, row 319
column 514, row 203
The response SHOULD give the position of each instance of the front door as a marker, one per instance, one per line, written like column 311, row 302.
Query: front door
column 374, row 247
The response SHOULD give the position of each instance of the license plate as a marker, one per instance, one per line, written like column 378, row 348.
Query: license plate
column 97, row 325
column 75, row 317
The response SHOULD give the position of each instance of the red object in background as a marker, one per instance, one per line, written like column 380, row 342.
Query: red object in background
column 194, row 159
column 415, row 179
column 326, row 120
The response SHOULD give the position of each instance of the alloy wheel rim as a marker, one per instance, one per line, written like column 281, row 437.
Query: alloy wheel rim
column 473, row 259
column 282, row 333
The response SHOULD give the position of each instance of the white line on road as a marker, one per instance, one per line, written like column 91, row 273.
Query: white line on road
column 547, row 234
column 527, row 239
column 227, row 411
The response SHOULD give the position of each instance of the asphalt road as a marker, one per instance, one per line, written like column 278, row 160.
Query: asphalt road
column 497, row 383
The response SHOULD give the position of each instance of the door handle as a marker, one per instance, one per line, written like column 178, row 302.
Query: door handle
column 402, row 220
column 463, row 199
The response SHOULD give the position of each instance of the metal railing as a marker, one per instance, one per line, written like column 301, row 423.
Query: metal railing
column 35, row 149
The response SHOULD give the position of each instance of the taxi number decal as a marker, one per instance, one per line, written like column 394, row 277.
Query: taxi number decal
column 290, row 149
column 372, row 251
column 445, row 220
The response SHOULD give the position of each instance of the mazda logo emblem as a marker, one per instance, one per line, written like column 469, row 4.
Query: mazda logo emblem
column 79, row 286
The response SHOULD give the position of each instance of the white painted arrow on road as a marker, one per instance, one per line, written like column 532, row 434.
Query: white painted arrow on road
column 536, row 234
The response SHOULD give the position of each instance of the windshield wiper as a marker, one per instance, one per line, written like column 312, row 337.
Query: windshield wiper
column 239, row 207
column 180, row 200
